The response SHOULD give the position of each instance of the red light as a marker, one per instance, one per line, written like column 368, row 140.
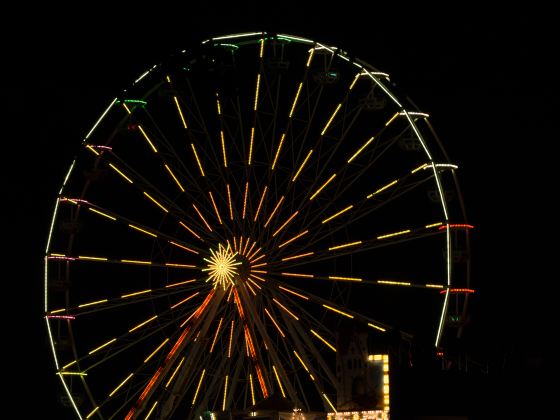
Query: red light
column 457, row 226
column 61, row 317
column 466, row 291
column 439, row 354
column 132, row 127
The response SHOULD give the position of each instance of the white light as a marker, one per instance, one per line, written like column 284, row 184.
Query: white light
column 99, row 120
column 141, row 77
column 296, row 38
column 238, row 35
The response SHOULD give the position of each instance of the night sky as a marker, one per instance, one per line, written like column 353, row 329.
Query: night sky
column 482, row 77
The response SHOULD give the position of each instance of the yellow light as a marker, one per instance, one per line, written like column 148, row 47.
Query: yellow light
column 198, row 386
column 394, row 283
column 310, row 276
column 184, row 300
column 436, row 286
column 156, row 202
column 88, row 258
column 260, row 204
column 286, row 309
column 330, row 119
column 69, row 364
column 354, row 81
column 245, row 200
column 245, row 249
column 345, row 278
column 147, row 138
column 223, row 147
column 218, row 104
column 285, row 223
column 183, row 247
column 345, row 245
column 97, row 302
column 391, row 119
column 338, row 311
column 261, row 49
column 386, row 379
column 174, row 177
column 377, row 327
column 136, row 262
column 142, row 324
column 252, row 389
column 174, row 372
column 311, row 51
column 72, row 373
column 259, row 271
column 419, row 168
column 257, row 277
column 117, row 170
column 202, row 217
column 274, row 211
column 179, row 265
column 216, row 334
column 151, row 411
column 92, row 412
column 333, row 176
column 102, row 346
column 302, row 165
column 101, row 213
column 330, row 403
column 126, row 107
column 293, row 293
column 93, row 150
column 56, row 311
column 230, row 339
column 360, row 150
column 301, row 361
column 215, row 207
column 119, row 386
column 390, row 184
column 299, row 235
column 197, row 159
column 375, row 357
column 225, row 394
column 385, row 389
column 389, row 235
column 278, row 150
column 190, row 230
column 329, row 345
column 275, row 323
column 297, row 256
column 142, row 292
column 257, row 92
column 179, row 283
column 180, row 112
column 143, row 231
column 222, row 266
column 251, row 145
column 433, row 225
column 156, row 350
column 254, row 283
column 295, row 100
column 328, row 219
column 278, row 380
column 229, row 202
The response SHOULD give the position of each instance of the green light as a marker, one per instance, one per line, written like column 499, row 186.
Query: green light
column 134, row 101
column 284, row 39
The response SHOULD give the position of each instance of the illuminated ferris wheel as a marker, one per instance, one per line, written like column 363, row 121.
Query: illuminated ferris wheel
column 230, row 215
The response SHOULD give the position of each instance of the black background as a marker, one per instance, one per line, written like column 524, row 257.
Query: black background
column 484, row 77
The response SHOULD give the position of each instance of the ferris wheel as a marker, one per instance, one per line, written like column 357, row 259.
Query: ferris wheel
column 230, row 215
